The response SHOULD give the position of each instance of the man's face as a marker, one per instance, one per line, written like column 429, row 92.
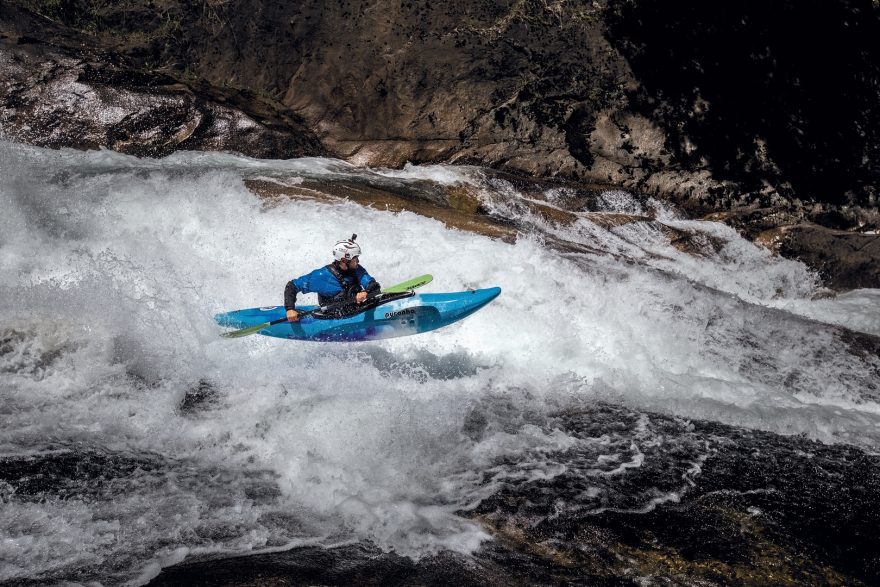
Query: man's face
column 349, row 264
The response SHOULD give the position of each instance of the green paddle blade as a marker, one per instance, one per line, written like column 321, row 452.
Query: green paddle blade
column 411, row 284
column 398, row 288
column 246, row 331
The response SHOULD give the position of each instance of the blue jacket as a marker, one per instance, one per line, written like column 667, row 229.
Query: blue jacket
column 329, row 287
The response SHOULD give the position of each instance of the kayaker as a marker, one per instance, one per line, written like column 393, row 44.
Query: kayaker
column 342, row 280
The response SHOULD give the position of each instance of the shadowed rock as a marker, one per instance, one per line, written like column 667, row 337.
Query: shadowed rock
column 641, row 498
column 844, row 259
column 54, row 98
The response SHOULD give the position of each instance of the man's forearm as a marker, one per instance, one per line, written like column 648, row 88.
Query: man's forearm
column 290, row 296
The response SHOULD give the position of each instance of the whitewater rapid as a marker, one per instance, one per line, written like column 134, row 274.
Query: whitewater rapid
column 111, row 268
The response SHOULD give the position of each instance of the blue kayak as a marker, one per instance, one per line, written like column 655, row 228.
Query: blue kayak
column 402, row 315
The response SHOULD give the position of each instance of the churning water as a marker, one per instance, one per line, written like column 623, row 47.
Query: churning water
column 133, row 436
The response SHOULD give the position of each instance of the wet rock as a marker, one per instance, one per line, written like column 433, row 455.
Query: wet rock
column 639, row 499
column 753, row 220
column 54, row 98
column 359, row 564
column 840, row 244
column 718, row 506
column 65, row 471
column 845, row 260
column 431, row 202
column 198, row 398
column 475, row 424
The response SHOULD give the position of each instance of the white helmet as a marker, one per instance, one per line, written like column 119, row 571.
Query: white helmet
column 346, row 249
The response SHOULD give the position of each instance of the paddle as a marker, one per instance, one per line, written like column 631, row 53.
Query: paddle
column 407, row 285
column 399, row 288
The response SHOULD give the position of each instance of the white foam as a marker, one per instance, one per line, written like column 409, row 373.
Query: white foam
column 439, row 174
column 855, row 309
column 111, row 268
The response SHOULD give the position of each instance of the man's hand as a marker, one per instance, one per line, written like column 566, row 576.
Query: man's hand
column 292, row 316
column 360, row 297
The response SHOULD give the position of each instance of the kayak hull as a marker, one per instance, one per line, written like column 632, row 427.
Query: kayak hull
column 402, row 317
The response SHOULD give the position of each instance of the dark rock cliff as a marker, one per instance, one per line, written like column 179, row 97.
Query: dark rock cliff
column 779, row 95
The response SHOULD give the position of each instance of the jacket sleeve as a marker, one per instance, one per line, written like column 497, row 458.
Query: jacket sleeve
column 367, row 282
column 314, row 282
column 301, row 284
column 319, row 281
column 290, row 296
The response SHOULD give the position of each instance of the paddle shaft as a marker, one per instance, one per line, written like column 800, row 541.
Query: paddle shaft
column 258, row 327
column 399, row 288
column 309, row 312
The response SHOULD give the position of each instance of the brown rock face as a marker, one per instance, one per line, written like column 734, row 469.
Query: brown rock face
column 56, row 97
column 845, row 260
column 503, row 84
column 516, row 85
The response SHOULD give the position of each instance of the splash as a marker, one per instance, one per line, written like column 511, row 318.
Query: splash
column 111, row 268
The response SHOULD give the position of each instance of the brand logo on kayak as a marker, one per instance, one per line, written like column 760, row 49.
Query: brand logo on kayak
column 400, row 313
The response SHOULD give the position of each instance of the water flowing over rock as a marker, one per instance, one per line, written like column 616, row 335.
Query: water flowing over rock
column 638, row 95
column 652, row 399
column 739, row 508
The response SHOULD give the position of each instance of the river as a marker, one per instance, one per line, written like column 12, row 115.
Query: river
column 630, row 350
